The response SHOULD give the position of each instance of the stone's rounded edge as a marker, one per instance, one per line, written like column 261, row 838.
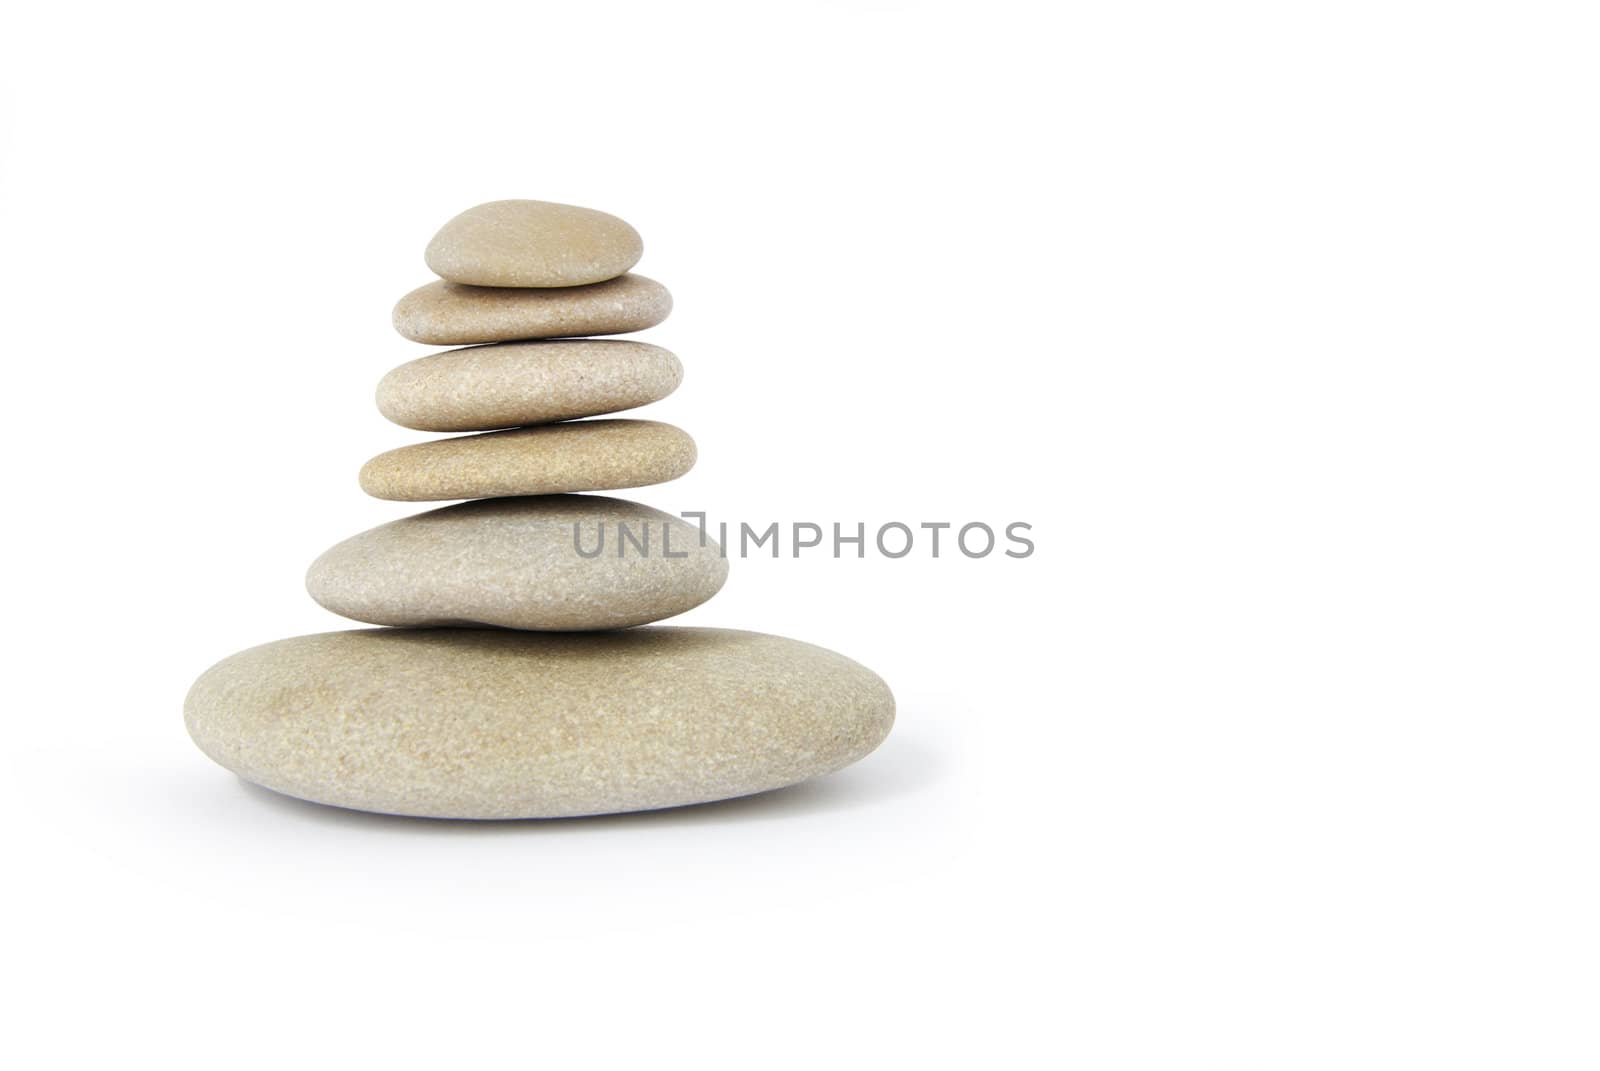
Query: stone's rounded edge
column 662, row 306
column 370, row 482
column 395, row 574
column 533, row 244
column 301, row 716
column 375, row 478
column 678, row 452
column 518, row 384
column 564, row 457
column 442, row 313
column 676, row 365
column 407, row 319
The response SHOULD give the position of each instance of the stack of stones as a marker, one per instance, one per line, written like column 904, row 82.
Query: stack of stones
column 510, row 680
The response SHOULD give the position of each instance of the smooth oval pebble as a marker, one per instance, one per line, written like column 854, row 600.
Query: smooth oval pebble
column 457, row 723
column 450, row 314
column 580, row 455
column 515, row 383
column 534, row 244
column 553, row 562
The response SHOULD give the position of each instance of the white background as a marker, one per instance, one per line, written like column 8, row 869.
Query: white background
column 1277, row 321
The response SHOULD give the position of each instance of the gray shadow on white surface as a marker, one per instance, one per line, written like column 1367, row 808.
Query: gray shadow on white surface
column 903, row 766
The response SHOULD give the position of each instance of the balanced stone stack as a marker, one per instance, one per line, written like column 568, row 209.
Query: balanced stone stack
column 511, row 681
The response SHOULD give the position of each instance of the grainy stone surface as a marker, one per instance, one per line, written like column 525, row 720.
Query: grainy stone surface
column 449, row 314
column 533, row 243
column 520, row 563
column 581, row 455
column 515, row 383
column 457, row 723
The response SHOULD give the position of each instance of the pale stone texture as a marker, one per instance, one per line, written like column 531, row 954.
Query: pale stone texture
column 520, row 563
column 581, row 455
column 515, row 383
column 460, row 723
column 533, row 244
column 449, row 314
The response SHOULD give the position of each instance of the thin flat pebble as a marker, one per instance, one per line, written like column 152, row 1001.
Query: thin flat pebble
column 449, row 314
column 515, row 383
column 459, row 723
column 552, row 562
column 533, row 244
column 580, row 455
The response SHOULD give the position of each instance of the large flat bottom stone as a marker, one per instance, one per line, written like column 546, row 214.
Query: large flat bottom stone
column 488, row 723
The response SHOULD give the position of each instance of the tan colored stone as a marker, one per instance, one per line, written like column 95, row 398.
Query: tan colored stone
column 533, row 244
column 449, row 314
column 515, row 383
column 558, row 562
column 581, row 455
column 458, row 723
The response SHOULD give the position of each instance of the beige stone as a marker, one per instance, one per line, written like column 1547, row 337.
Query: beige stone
column 449, row 314
column 559, row 562
column 457, row 723
column 581, row 455
column 534, row 244
column 515, row 383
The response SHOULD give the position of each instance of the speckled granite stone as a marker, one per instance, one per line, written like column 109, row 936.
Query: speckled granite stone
column 515, row 383
column 520, row 563
column 533, row 243
column 580, row 455
column 456, row 723
column 449, row 314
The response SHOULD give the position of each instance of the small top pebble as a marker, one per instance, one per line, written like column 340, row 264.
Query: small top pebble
column 533, row 244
